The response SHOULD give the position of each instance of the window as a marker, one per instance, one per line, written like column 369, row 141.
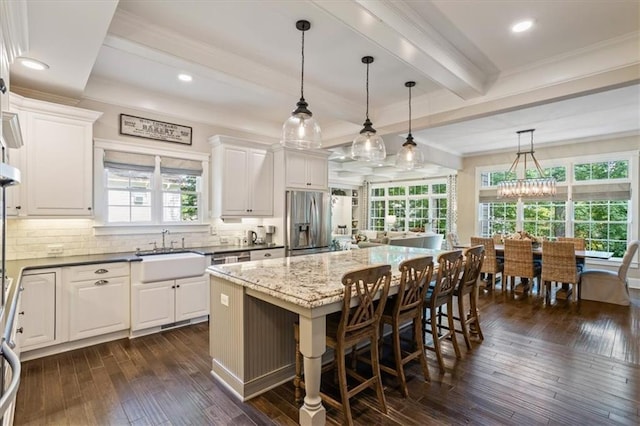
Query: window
column 144, row 188
column 415, row 206
column 593, row 202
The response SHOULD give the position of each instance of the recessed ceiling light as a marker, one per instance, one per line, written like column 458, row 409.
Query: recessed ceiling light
column 34, row 64
column 522, row 26
column 184, row 77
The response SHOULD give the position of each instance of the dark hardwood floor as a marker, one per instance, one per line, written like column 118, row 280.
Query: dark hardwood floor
column 559, row 364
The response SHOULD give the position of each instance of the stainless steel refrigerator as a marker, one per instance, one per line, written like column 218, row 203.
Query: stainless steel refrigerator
column 308, row 228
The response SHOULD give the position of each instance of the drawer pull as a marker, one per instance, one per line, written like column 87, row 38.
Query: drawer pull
column 20, row 330
column 101, row 282
column 267, row 255
column 101, row 271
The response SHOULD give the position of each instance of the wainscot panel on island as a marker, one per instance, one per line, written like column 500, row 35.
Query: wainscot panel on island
column 255, row 304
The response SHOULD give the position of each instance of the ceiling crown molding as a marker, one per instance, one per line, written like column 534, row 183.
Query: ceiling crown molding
column 15, row 28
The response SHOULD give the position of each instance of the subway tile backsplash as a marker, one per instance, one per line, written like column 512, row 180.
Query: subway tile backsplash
column 34, row 238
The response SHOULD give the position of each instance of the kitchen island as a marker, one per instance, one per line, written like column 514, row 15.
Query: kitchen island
column 254, row 306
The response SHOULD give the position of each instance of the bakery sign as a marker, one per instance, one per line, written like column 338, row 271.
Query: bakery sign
column 153, row 129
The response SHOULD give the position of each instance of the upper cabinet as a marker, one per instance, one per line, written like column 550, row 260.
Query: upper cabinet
column 306, row 170
column 242, row 178
column 56, row 163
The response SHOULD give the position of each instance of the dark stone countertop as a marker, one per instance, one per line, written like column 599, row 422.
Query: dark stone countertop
column 15, row 267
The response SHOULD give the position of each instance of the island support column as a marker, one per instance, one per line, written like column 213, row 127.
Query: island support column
column 312, row 346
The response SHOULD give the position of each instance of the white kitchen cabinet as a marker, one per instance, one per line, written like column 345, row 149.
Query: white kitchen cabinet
column 57, row 167
column 14, row 192
column 267, row 254
column 242, row 178
column 98, row 299
column 165, row 302
column 306, row 170
column 152, row 304
column 41, row 310
column 192, row 297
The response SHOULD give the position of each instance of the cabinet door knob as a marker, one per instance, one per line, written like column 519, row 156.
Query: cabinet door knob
column 101, row 271
column 89, row 208
column 178, row 286
column 18, row 207
column 101, row 282
column 21, row 313
column 267, row 255
column 173, row 286
column 20, row 330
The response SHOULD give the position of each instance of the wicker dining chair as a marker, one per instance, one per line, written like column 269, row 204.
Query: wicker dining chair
column 491, row 264
column 559, row 265
column 578, row 243
column 351, row 327
column 440, row 294
column 404, row 308
column 468, row 286
column 518, row 262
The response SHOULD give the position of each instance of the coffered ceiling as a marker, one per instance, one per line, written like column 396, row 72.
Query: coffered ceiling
column 573, row 76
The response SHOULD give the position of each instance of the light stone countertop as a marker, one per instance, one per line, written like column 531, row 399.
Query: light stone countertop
column 314, row 280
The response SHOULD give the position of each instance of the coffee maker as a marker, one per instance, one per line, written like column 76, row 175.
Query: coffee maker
column 261, row 235
column 269, row 230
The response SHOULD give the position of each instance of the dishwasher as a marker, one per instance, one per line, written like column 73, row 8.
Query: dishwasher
column 230, row 257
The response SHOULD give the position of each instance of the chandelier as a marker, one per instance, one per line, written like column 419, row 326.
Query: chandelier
column 541, row 186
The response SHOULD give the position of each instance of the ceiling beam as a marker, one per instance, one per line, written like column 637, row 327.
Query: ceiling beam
column 392, row 25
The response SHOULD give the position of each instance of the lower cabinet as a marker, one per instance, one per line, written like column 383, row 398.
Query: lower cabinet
column 40, row 312
column 165, row 302
column 98, row 307
column 60, row 305
column 98, row 299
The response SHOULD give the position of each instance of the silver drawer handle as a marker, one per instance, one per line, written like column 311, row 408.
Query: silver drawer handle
column 101, row 282
column 102, row 271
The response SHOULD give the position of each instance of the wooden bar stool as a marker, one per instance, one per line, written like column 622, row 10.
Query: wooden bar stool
column 406, row 308
column 367, row 288
column 439, row 295
column 468, row 286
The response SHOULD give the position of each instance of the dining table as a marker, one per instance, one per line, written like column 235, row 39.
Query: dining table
column 255, row 304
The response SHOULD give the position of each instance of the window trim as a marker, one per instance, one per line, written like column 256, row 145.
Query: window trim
column 407, row 183
column 101, row 227
column 634, row 164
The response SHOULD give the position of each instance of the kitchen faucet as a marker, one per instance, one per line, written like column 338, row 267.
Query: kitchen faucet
column 164, row 232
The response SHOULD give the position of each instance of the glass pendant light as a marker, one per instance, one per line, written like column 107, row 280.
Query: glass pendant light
column 368, row 146
column 301, row 130
column 409, row 157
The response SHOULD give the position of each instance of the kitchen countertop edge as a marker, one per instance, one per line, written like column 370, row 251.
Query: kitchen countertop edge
column 15, row 268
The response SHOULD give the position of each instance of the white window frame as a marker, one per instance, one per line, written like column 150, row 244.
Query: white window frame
column 569, row 162
column 390, row 198
column 102, row 227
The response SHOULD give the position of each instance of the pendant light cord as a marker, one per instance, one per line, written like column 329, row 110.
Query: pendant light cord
column 302, row 73
column 409, row 110
column 367, row 91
